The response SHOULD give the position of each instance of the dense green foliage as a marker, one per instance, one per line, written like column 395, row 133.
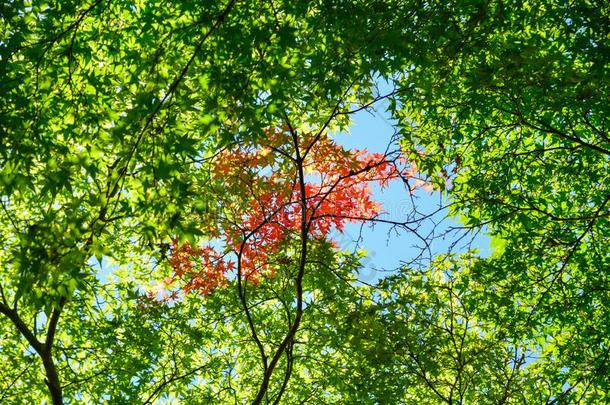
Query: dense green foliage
column 521, row 116
column 113, row 116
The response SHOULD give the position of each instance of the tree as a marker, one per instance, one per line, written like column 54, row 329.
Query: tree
column 110, row 109
column 513, row 107
column 124, row 125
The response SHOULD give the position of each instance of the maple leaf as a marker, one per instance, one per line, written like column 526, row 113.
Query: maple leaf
column 272, row 203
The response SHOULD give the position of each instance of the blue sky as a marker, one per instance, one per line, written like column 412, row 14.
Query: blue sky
column 388, row 249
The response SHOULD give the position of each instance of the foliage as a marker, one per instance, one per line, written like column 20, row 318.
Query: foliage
column 184, row 150
column 515, row 110
column 263, row 206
